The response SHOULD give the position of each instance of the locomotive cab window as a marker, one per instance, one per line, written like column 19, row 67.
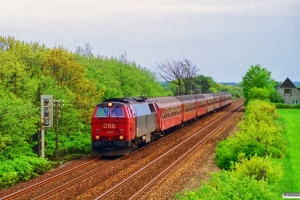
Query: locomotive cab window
column 117, row 112
column 102, row 111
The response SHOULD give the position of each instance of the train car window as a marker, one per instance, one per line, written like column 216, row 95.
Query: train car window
column 102, row 111
column 117, row 112
column 151, row 106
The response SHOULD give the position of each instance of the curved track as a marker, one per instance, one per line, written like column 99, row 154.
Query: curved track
column 143, row 181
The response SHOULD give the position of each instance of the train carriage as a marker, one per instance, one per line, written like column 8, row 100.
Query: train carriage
column 228, row 98
column 217, row 97
column 168, row 112
column 201, row 103
column 210, row 102
column 223, row 99
column 188, row 107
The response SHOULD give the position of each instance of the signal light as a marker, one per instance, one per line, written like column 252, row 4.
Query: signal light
column 47, row 110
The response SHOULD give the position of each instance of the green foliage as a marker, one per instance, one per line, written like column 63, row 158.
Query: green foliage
column 259, row 135
column 254, row 167
column 205, row 83
column 286, row 106
column 235, row 91
column 257, row 77
column 228, row 185
column 228, row 150
column 258, row 93
column 67, row 73
column 121, row 78
column 275, row 97
column 21, row 169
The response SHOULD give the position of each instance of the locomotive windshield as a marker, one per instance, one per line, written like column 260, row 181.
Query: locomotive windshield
column 115, row 111
column 102, row 111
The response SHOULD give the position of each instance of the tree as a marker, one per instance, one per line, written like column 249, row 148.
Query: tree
column 206, row 83
column 178, row 72
column 86, row 51
column 258, row 93
column 68, row 73
column 258, row 77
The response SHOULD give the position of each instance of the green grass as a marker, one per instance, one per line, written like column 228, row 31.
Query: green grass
column 291, row 163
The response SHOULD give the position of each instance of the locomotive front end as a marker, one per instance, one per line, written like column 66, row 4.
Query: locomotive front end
column 112, row 129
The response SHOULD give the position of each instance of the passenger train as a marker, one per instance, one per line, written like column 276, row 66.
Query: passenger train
column 120, row 125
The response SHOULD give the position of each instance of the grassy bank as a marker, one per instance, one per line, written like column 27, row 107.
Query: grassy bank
column 291, row 163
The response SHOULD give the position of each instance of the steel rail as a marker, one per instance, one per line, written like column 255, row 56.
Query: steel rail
column 166, row 153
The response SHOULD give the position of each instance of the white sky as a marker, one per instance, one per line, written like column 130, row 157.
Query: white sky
column 222, row 37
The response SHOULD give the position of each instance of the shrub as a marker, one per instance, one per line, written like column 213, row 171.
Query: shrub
column 21, row 169
column 227, row 185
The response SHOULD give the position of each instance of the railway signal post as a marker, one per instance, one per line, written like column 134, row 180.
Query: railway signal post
column 46, row 118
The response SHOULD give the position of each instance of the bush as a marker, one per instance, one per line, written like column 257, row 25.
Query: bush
column 286, row 106
column 228, row 150
column 227, row 185
column 254, row 167
column 21, row 169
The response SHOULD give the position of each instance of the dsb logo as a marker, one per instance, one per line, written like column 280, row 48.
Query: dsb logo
column 109, row 125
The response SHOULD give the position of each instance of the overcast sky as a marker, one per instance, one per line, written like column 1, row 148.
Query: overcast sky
column 222, row 37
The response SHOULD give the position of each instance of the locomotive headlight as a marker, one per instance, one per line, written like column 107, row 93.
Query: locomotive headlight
column 109, row 104
column 97, row 137
column 121, row 137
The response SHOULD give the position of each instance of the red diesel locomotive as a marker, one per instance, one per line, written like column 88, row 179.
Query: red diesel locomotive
column 120, row 125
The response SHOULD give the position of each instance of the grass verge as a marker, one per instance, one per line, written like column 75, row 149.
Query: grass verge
column 290, row 118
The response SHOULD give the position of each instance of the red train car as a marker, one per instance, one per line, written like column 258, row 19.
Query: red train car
column 168, row 113
column 210, row 102
column 188, row 107
column 201, row 104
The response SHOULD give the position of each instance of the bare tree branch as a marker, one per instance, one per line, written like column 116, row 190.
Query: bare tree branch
column 178, row 72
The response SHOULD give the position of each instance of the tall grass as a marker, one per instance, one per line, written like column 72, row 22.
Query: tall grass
column 290, row 118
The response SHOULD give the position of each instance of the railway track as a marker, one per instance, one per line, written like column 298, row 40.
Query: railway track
column 139, row 171
column 144, row 181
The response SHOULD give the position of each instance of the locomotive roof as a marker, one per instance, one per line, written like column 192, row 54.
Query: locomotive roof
column 126, row 100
